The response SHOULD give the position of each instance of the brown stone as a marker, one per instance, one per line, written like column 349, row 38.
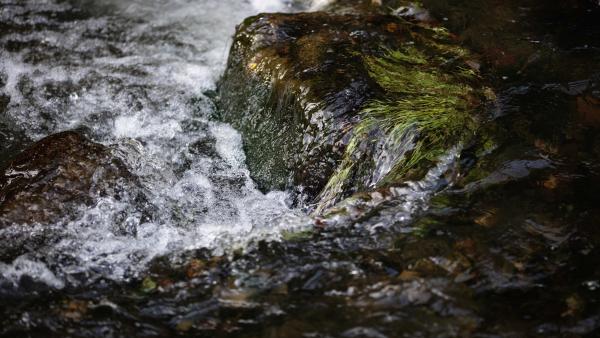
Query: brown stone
column 52, row 176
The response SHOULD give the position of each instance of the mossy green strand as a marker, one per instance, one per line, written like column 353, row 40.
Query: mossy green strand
column 426, row 109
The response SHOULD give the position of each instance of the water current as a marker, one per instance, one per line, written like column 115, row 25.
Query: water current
column 134, row 75
column 497, row 240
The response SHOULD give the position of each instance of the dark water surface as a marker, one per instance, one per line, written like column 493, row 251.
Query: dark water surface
column 511, row 249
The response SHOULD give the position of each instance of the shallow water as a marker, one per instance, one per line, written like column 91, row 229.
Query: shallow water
column 511, row 249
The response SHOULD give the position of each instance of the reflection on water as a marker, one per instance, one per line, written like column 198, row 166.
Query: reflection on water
column 509, row 247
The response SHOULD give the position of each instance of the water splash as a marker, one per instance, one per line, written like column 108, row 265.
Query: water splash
column 134, row 74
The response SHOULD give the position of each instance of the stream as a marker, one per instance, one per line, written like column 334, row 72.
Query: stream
column 511, row 251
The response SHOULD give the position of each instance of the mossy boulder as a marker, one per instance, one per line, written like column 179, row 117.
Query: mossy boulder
column 52, row 177
column 340, row 103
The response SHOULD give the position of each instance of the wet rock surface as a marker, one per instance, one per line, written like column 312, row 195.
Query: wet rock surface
column 49, row 183
column 541, row 49
column 45, row 181
column 297, row 86
column 293, row 87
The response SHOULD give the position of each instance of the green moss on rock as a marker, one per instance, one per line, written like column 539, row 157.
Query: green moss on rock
column 426, row 109
column 339, row 104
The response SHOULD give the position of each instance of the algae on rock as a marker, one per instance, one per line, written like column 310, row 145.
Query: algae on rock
column 427, row 108
column 340, row 104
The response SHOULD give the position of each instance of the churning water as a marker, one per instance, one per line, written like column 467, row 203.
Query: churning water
column 134, row 74
column 137, row 76
column 504, row 242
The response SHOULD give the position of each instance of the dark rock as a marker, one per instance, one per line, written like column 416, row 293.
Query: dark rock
column 50, row 178
column 293, row 86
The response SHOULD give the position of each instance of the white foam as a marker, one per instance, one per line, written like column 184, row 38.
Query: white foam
column 269, row 5
column 140, row 97
column 22, row 266
column 229, row 144
column 319, row 4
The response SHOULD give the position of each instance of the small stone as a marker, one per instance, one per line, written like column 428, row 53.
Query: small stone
column 148, row 285
column 408, row 275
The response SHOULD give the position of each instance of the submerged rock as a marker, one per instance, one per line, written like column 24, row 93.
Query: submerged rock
column 340, row 103
column 49, row 179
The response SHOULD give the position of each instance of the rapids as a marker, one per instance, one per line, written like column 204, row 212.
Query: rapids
column 499, row 239
column 135, row 75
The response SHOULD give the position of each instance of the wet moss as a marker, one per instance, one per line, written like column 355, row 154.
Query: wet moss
column 428, row 106
column 297, row 236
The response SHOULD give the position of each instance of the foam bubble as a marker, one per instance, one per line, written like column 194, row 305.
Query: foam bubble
column 23, row 266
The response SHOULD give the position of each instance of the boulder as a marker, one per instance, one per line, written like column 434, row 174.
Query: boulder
column 49, row 179
column 331, row 104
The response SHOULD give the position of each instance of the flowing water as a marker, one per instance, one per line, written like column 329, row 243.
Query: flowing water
column 134, row 74
column 512, row 250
